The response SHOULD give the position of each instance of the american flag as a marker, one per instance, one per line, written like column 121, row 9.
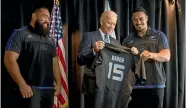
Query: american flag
column 61, row 101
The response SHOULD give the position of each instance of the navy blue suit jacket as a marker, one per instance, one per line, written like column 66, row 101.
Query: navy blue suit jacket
column 85, row 53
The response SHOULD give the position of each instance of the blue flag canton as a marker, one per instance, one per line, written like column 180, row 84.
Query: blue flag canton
column 56, row 24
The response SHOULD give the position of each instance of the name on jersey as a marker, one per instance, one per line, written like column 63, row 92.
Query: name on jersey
column 117, row 58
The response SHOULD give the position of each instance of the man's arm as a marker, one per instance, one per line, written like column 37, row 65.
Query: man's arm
column 56, row 70
column 85, row 53
column 12, row 51
column 162, row 56
column 164, row 52
column 57, row 75
column 10, row 61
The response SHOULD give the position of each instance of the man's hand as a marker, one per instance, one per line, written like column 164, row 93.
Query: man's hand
column 134, row 50
column 146, row 55
column 26, row 91
column 98, row 46
column 57, row 89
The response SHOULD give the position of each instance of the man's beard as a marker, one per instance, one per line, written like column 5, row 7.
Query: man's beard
column 40, row 28
column 139, row 29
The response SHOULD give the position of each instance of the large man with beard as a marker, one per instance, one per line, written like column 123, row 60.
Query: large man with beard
column 30, row 59
column 151, row 44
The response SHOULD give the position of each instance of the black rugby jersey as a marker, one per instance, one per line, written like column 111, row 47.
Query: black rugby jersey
column 153, row 41
column 113, row 68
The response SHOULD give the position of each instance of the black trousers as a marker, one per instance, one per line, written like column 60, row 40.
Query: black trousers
column 88, row 89
column 147, row 98
column 89, row 101
column 42, row 98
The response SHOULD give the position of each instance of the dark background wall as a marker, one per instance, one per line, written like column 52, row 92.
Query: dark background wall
column 82, row 16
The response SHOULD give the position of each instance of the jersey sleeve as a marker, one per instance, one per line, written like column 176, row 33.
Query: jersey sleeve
column 15, row 41
column 97, row 61
column 163, row 43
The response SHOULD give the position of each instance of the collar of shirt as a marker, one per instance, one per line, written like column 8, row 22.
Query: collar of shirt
column 148, row 33
column 32, row 29
column 102, row 34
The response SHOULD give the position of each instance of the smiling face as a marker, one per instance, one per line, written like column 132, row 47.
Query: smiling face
column 140, row 21
column 42, row 20
column 108, row 22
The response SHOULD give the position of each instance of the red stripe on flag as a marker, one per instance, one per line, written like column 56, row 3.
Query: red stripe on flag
column 63, row 40
column 61, row 57
column 64, row 85
column 62, row 61
column 54, row 106
column 61, row 99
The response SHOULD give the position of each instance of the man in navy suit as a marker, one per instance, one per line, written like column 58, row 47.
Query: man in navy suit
column 90, row 44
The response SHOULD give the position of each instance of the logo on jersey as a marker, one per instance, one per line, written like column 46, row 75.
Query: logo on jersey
column 152, row 37
column 43, row 47
column 30, row 36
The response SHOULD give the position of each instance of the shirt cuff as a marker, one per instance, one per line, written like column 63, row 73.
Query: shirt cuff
column 93, row 52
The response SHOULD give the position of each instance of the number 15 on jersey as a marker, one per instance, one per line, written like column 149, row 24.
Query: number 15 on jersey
column 116, row 71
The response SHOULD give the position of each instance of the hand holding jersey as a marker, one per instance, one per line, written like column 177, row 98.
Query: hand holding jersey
column 149, row 55
column 144, row 55
column 98, row 46
column 134, row 50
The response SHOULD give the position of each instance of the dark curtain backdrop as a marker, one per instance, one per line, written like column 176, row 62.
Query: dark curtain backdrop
column 83, row 16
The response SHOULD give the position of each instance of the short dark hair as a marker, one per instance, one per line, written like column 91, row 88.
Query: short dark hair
column 139, row 9
column 36, row 9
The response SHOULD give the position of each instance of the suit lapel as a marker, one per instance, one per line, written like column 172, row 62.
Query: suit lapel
column 98, row 37
column 112, row 40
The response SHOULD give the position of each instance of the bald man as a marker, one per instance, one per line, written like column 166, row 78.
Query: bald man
column 91, row 44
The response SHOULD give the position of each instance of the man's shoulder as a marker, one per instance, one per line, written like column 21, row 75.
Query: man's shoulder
column 130, row 36
column 155, row 32
column 91, row 32
column 20, row 31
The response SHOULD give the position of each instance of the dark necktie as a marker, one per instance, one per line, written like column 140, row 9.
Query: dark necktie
column 106, row 38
